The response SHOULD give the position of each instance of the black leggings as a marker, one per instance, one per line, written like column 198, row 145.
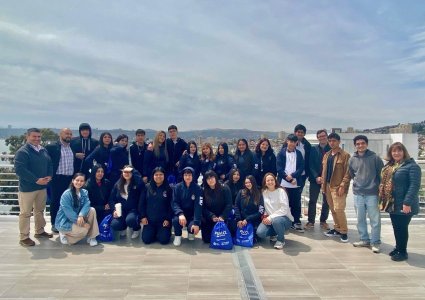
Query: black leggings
column 401, row 230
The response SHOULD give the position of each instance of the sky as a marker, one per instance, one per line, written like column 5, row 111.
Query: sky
column 260, row 65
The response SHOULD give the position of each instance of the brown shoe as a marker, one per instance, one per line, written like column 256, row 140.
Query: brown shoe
column 27, row 242
column 324, row 225
column 309, row 226
column 43, row 235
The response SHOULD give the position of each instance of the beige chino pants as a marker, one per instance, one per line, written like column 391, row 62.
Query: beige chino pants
column 337, row 206
column 77, row 233
column 31, row 202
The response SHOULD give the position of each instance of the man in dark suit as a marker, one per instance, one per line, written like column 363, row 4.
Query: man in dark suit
column 63, row 170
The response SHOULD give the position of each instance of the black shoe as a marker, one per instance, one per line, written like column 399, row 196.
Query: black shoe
column 332, row 233
column 399, row 256
column 344, row 238
column 394, row 252
column 54, row 229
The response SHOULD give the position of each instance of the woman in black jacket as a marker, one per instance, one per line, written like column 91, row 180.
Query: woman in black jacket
column 249, row 204
column 155, row 209
column 398, row 195
column 190, row 159
column 224, row 162
column 217, row 205
column 264, row 160
column 99, row 190
column 244, row 159
column 118, row 157
column 100, row 154
column 235, row 183
column 126, row 193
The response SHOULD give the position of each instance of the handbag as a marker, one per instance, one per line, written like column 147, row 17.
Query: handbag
column 105, row 231
column 245, row 236
column 221, row 237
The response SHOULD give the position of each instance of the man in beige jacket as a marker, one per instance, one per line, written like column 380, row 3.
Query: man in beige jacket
column 336, row 181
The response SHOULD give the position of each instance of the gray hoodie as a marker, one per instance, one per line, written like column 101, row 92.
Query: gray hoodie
column 366, row 172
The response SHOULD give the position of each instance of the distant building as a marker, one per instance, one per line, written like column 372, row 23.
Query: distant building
column 264, row 136
column 378, row 143
column 281, row 135
column 336, row 130
column 402, row 128
column 350, row 130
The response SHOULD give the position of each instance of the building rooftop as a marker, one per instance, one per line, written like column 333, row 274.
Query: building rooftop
column 311, row 266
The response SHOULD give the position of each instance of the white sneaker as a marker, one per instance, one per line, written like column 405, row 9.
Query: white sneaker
column 63, row 239
column 191, row 237
column 123, row 232
column 376, row 248
column 92, row 242
column 177, row 241
column 279, row 245
column 273, row 238
column 361, row 244
column 135, row 234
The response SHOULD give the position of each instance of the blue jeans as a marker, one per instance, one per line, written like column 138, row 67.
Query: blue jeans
column 278, row 227
column 364, row 204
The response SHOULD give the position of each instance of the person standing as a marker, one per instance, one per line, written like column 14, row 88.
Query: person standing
column 118, row 158
column 82, row 146
column 34, row 169
column 63, row 170
column 365, row 170
column 315, row 178
column 398, row 195
column 224, row 162
column 244, row 159
column 264, row 160
column 336, row 182
column 175, row 147
column 290, row 166
column 137, row 150
column 304, row 147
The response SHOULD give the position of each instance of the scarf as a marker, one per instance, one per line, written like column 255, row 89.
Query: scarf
column 386, row 188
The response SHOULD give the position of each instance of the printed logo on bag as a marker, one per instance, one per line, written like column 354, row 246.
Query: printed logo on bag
column 164, row 194
column 256, row 166
column 220, row 233
column 193, row 197
column 244, row 232
column 261, row 209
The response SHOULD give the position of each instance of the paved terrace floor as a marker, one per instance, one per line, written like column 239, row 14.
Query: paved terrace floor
column 311, row 266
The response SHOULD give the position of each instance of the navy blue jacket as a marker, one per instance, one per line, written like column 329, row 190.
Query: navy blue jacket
column 281, row 164
column 264, row 164
column 193, row 162
column 155, row 203
column 315, row 163
column 31, row 165
column 98, row 195
column 234, row 189
column 188, row 201
column 223, row 165
column 245, row 163
column 137, row 154
column 219, row 205
column 407, row 181
column 150, row 161
column 118, row 158
column 135, row 189
column 249, row 211
column 207, row 166
column 175, row 151
column 101, row 156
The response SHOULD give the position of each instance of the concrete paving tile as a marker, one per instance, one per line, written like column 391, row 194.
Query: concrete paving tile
column 160, row 285
column 385, row 278
column 293, row 297
column 24, row 291
column 324, row 262
column 281, row 261
column 212, row 261
column 213, row 296
column 213, row 272
column 97, row 292
column 152, row 270
column 286, row 286
column 399, row 292
column 157, row 297
column 334, row 276
column 212, row 285
column 342, row 289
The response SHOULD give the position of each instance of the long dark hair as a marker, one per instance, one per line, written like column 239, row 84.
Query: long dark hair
column 92, row 178
column 209, row 193
column 225, row 148
column 76, row 200
column 258, row 150
column 122, row 181
column 238, row 153
column 254, row 192
column 101, row 144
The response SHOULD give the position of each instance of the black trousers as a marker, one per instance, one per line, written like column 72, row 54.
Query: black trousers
column 154, row 231
column 312, row 204
column 59, row 184
column 294, row 195
column 401, row 231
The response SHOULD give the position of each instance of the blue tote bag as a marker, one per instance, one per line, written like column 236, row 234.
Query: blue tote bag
column 105, row 230
column 221, row 237
column 245, row 236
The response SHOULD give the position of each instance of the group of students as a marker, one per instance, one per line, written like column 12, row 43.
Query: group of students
column 160, row 190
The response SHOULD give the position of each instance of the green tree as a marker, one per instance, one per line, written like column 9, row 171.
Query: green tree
column 15, row 142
